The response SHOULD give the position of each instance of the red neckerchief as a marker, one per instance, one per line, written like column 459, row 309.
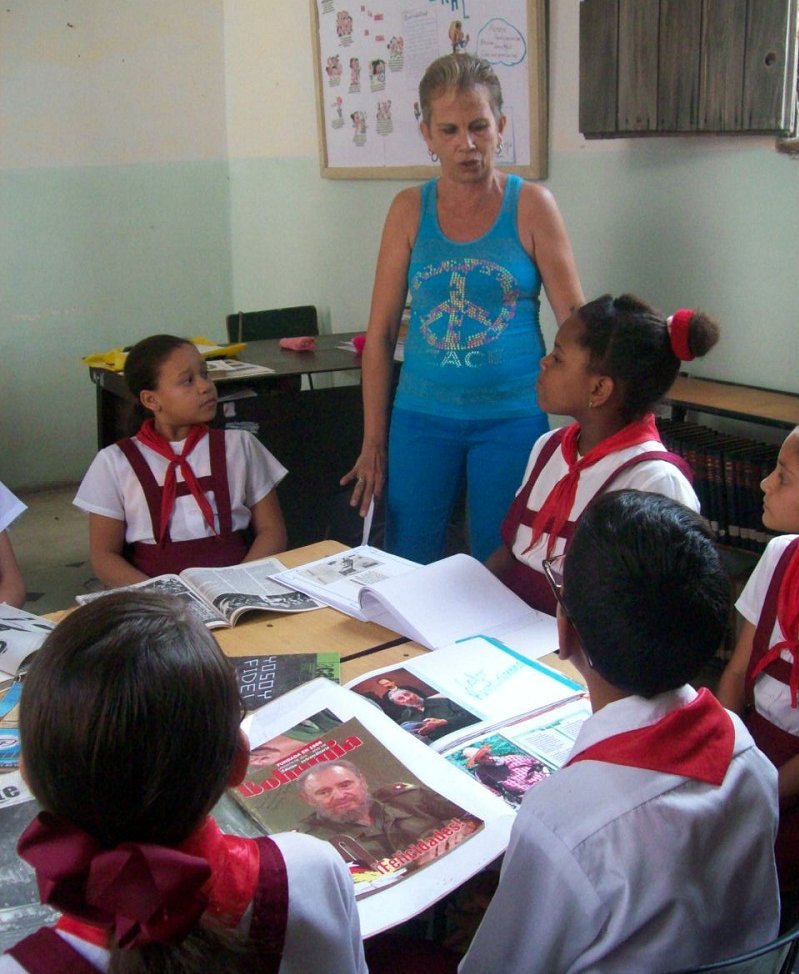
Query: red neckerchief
column 555, row 510
column 234, row 863
column 149, row 436
column 695, row 741
column 788, row 619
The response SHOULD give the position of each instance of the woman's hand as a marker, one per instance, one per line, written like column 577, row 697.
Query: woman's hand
column 369, row 475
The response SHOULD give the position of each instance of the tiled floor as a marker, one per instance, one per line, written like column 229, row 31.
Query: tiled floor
column 51, row 542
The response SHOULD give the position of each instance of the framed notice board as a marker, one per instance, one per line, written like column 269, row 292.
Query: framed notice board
column 369, row 56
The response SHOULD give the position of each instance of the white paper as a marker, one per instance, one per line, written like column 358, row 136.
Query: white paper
column 21, row 634
column 445, row 601
column 338, row 579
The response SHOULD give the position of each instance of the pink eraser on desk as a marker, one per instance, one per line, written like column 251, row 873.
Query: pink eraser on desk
column 305, row 344
column 358, row 343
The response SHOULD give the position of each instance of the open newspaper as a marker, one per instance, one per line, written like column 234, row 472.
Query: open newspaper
column 220, row 596
column 432, row 604
column 413, row 815
column 21, row 909
column 21, row 634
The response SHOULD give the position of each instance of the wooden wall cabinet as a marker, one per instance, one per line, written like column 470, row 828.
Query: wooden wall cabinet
column 666, row 67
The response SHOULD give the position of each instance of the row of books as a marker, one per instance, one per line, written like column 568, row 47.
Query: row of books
column 727, row 474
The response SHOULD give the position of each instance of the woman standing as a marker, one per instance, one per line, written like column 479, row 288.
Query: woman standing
column 473, row 247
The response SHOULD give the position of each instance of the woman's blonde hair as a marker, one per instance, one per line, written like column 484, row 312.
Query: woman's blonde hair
column 460, row 72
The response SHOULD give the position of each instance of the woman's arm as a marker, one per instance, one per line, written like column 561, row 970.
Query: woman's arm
column 12, row 585
column 788, row 782
column 731, row 691
column 543, row 235
column 499, row 561
column 268, row 527
column 106, row 543
column 388, row 300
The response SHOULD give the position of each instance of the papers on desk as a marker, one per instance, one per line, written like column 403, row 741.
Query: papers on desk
column 231, row 368
column 21, row 634
column 219, row 597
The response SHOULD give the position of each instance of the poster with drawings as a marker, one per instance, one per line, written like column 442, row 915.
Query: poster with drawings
column 370, row 57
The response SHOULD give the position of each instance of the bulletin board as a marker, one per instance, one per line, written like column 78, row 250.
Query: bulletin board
column 369, row 56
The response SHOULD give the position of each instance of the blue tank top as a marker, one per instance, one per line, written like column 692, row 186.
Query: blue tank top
column 474, row 342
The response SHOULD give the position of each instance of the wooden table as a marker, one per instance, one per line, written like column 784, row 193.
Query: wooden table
column 362, row 646
column 749, row 403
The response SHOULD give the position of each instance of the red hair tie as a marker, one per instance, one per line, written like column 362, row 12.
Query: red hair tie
column 143, row 893
column 679, row 326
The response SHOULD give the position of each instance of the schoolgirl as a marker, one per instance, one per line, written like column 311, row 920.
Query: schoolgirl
column 130, row 734
column 612, row 361
column 761, row 681
column 177, row 494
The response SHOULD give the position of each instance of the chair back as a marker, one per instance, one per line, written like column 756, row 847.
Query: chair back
column 777, row 957
column 251, row 326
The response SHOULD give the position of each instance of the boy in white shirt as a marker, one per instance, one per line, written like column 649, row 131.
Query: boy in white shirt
column 652, row 849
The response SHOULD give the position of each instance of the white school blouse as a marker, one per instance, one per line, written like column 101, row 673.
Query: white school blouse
column 617, row 869
column 654, row 476
column 772, row 698
column 112, row 489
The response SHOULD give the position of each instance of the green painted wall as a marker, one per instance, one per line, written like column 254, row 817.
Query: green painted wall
column 94, row 258
column 681, row 223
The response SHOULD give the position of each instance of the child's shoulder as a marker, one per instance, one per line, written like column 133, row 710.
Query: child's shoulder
column 769, row 560
column 775, row 548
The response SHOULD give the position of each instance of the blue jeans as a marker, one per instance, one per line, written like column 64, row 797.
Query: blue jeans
column 429, row 460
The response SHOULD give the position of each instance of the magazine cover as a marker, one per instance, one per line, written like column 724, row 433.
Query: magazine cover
column 333, row 779
column 410, row 826
column 263, row 678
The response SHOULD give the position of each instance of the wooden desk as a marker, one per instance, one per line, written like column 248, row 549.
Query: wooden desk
column 749, row 403
column 113, row 399
column 315, row 433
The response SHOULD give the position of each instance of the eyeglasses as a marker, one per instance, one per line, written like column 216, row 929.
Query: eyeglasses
column 553, row 572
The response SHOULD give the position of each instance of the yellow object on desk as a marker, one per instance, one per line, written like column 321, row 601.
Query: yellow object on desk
column 114, row 360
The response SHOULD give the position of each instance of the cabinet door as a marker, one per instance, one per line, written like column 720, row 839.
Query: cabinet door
column 678, row 65
column 670, row 66
column 599, row 56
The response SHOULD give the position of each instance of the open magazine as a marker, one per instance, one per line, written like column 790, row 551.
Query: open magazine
column 432, row 604
column 220, row 596
column 21, row 634
column 413, row 814
column 21, row 909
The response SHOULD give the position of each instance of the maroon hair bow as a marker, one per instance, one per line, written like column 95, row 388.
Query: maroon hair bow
column 144, row 893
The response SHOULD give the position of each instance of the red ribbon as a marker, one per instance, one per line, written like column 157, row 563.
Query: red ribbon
column 557, row 507
column 143, row 893
column 788, row 619
column 149, row 436
column 679, row 334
